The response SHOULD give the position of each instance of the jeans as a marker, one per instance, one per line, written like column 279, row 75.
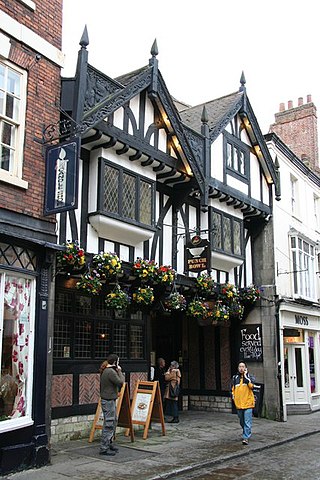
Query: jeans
column 109, row 423
column 245, row 417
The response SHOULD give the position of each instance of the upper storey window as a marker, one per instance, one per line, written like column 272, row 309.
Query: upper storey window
column 126, row 195
column 226, row 233
column 12, row 119
column 236, row 156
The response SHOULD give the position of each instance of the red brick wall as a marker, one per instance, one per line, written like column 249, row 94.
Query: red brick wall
column 297, row 128
column 43, row 94
column 46, row 20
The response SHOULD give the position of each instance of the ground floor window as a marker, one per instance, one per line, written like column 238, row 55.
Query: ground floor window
column 16, row 344
column 85, row 329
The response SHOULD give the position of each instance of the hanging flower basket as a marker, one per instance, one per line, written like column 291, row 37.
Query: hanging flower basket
column 143, row 296
column 117, row 299
column 90, row 283
column 200, row 311
column 228, row 293
column 164, row 275
column 220, row 313
column 108, row 265
column 205, row 285
column 175, row 302
column 72, row 257
column 249, row 294
column 236, row 310
column 144, row 269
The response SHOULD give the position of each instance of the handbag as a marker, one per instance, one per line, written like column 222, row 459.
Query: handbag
column 174, row 390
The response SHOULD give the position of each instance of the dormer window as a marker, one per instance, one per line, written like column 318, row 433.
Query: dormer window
column 125, row 195
column 236, row 156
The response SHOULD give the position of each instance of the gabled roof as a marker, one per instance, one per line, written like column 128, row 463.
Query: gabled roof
column 127, row 78
column 216, row 109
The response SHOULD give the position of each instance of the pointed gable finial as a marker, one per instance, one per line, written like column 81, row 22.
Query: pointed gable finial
column 84, row 41
column 242, row 82
column 154, row 49
column 204, row 115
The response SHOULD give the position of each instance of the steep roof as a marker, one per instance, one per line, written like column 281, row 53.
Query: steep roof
column 216, row 109
column 131, row 76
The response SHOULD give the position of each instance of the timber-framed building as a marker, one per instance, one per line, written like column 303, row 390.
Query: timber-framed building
column 153, row 173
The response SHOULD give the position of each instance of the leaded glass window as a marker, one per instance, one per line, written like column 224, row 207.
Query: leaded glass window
column 18, row 257
column 226, row 233
column 126, row 195
column 85, row 329
column 236, row 156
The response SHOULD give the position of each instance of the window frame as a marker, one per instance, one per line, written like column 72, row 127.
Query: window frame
column 112, row 319
column 237, row 146
column 303, row 279
column 232, row 219
column 15, row 177
column 138, row 178
column 26, row 420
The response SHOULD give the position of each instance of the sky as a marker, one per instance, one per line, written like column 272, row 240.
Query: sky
column 204, row 46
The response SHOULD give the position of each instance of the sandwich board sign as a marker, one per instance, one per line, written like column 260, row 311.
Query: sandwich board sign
column 146, row 406
column 123, row 414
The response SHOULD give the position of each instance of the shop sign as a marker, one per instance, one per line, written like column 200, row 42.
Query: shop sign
column 197, row 255
column 250, row 343
column 301, row 320
column 62, row 165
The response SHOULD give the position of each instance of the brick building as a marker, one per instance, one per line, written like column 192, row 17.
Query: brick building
column 30, row 62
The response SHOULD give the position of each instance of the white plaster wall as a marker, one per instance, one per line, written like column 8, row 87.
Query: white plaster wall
column 149, row 115
column 118, row 118
column 237, row 184
column 217, row 159
column 162, row 142
column 255, row 177
column 134, row 105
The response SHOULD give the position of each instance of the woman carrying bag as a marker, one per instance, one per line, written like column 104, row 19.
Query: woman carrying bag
column 173, row 379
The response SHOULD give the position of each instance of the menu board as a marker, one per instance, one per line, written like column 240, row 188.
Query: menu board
column 250, row 343
column 141, row 407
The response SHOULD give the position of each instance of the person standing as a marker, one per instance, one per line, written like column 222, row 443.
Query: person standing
column 242, row 394
column 159, row 373
column 111, row 381
column 173, row 379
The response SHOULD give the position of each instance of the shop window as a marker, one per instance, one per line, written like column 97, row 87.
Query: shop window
column 303, row 267
column 226, row 233
column 311, row 344
column 16, row 346
column 126, row 195
column 12, row 121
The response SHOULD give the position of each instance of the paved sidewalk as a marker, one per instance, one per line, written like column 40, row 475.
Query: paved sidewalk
column 201, row 438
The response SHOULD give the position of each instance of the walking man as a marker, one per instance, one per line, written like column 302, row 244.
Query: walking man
column 242, row 394
column 111, row 381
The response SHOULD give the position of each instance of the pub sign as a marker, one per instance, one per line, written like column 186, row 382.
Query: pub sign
column 197, row 255
column 62, row 165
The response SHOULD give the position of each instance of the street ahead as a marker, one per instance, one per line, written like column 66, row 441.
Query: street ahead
column 296, row 460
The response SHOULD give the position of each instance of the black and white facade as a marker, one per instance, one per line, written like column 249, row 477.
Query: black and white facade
column 153, row 173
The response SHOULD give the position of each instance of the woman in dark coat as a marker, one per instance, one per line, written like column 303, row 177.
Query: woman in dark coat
column 173, row 378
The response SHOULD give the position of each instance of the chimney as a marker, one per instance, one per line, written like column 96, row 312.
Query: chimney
column 297, row 128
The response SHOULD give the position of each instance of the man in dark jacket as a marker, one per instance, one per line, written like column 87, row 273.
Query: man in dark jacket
column 111, row 381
